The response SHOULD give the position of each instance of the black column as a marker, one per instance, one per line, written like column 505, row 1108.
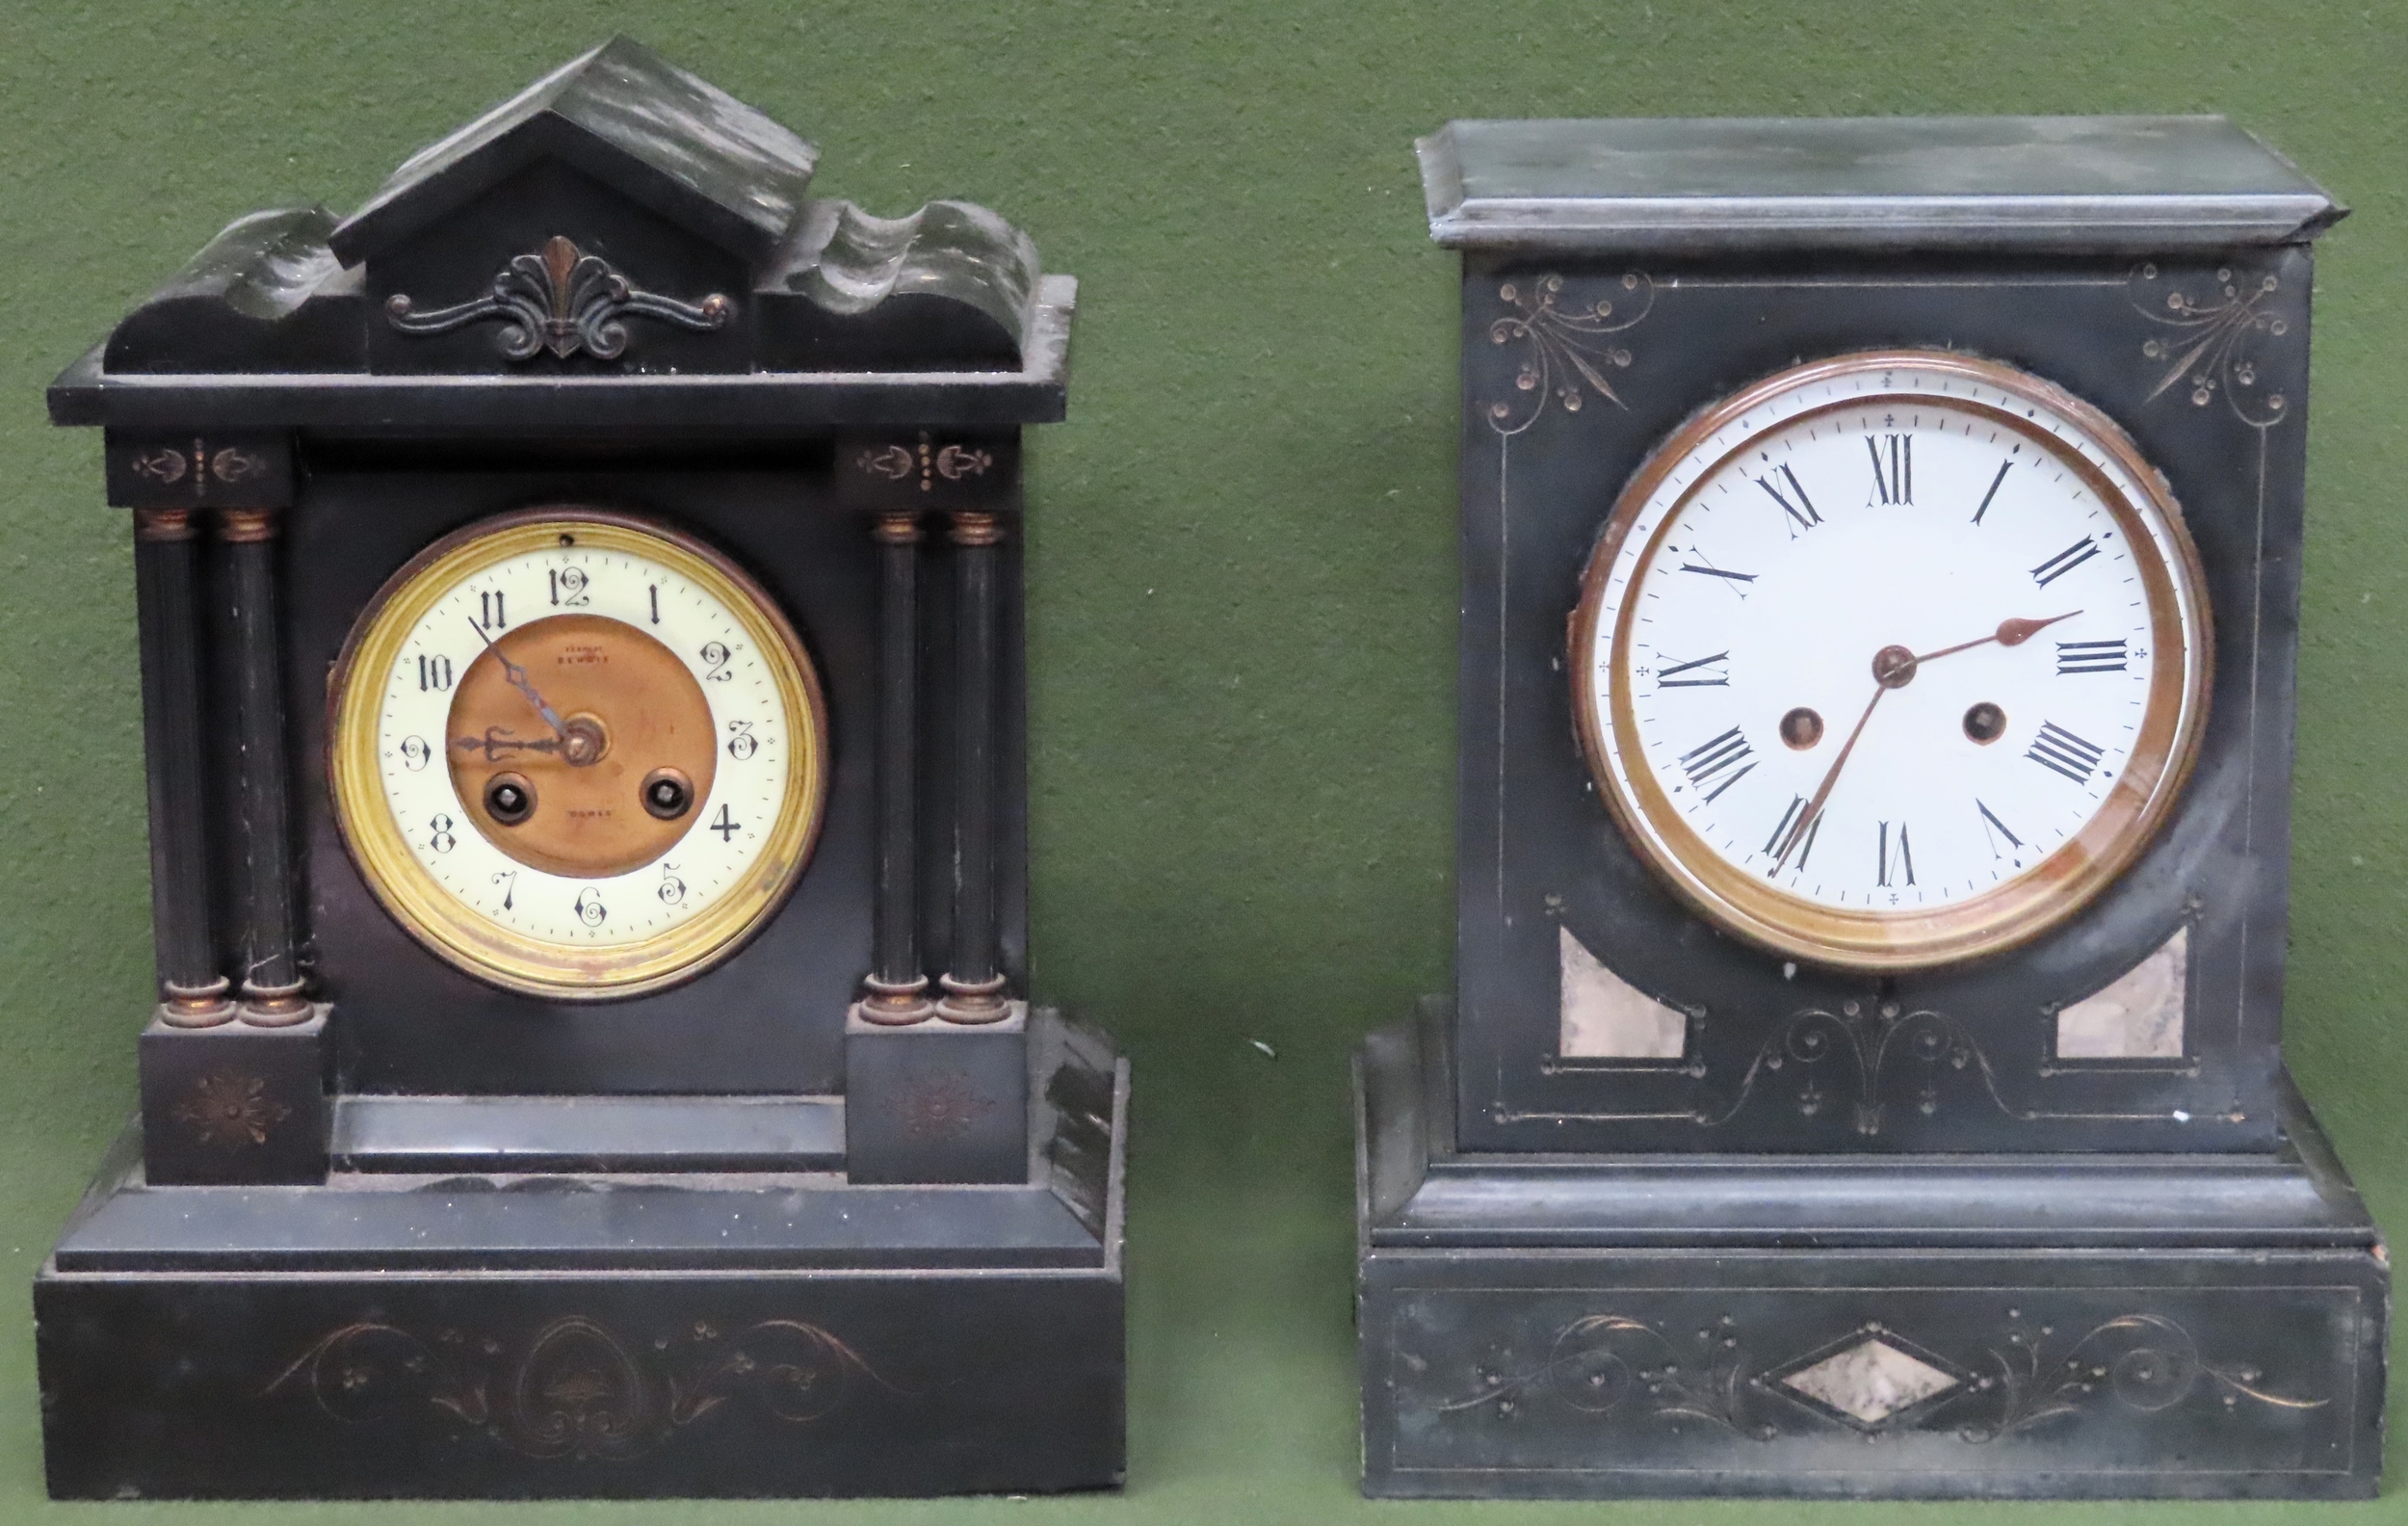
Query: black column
column 974, row 986
column 272, row 984
column 895, row 993
column 193, row 989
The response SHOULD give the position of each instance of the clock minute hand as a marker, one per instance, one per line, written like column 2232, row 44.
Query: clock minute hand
column 1831, row 775
column 1894, row 668
column 519, row 681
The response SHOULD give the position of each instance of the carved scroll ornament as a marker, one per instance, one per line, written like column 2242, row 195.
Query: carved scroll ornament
column 563, row 299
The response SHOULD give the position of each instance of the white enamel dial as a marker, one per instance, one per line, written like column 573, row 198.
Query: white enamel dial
column 1892, row 660
column 577, row 754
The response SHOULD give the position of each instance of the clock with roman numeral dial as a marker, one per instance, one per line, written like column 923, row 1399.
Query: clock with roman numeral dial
column 579, row 755
column 1892, row 660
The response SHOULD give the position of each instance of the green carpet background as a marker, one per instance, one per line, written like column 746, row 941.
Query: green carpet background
column 1241, row 552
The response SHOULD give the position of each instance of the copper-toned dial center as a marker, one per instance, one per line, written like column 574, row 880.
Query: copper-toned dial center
column 628, row 710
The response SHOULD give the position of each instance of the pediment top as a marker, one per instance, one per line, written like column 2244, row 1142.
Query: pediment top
column 619, row 241
column 668, row 139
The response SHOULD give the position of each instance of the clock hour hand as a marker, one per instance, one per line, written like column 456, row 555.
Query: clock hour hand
column 2010, row 633
column 1894, row 668
column 495, row 738
column 519, row 681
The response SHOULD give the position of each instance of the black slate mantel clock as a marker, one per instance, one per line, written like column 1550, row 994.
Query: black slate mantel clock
column 1881, row 546
column 581, row 624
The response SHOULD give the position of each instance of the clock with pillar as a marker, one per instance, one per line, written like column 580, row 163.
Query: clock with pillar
column 580, row 600
column 1864, row 1071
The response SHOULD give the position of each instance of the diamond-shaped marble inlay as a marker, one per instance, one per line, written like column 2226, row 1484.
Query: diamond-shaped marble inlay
column 1872, row 1381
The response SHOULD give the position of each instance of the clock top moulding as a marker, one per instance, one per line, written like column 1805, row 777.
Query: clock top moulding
column 813, row 1220
column 1785, row 1247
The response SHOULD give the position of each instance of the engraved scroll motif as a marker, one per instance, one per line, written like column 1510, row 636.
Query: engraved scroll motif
column 2215, row 340
column 1605, row 1363
column 1858, row 1058
column 1859, row 1052
column 1871, row 1379
column 1925, row 1044
column 577, row 1389
column 563, row 299
column 1564, row 350
column 2144, row 1361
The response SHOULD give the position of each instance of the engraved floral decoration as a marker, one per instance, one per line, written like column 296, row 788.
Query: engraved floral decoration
column 944, row 1107
column 1927, row 1044
column 166, row 465
column 930, row 462
column 2214, row 340
column 1871, row 1379
column 2144, row 1361
column 1857, row 1058
column 1606, row 1363
column 226, row 1108
column 1866, row 1057
column 578, row 1388
column 564, row 299
column 1564, row 349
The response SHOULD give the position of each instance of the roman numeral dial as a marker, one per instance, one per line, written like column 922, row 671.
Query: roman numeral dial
column 1789, row 493
column 1893, row 467
column 2060, row 752
column 1716, row 764
column 2065, row 562
column 1698, row 672
column 1891, row 660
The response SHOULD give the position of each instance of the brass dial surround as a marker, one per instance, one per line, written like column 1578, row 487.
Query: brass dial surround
column 631, row 711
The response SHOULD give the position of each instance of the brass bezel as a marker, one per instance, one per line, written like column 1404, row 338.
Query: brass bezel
column 437, row 920
column 2042, row 897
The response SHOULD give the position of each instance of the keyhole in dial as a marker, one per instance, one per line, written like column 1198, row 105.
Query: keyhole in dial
column 668, row 793
column 509, row 798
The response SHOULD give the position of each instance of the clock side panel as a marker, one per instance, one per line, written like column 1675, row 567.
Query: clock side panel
column 1572, row 375
column 769, row 1019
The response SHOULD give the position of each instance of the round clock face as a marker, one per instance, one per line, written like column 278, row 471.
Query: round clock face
column 578, row 754
column 1892, row 660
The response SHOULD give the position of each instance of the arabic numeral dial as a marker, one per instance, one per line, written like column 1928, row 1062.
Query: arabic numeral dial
column 578, row 754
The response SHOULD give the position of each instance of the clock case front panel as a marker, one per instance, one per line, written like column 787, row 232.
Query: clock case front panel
column 411, row 1022
column 1538, row 850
